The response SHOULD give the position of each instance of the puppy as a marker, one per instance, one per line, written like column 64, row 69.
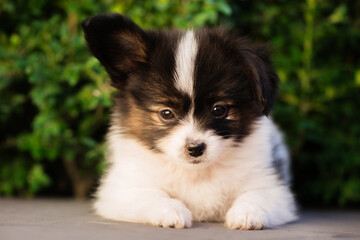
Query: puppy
column 189, row 138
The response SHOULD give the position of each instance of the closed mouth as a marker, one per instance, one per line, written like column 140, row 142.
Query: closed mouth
column 195, row 161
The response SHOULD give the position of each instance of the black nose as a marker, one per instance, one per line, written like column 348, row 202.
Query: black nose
column 196, row 149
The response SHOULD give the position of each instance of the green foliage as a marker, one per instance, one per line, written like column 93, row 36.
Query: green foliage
column 173, row 13
column 54, row 97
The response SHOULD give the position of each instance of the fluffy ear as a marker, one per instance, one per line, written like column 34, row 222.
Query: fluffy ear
column 118, row 43
column 263, row 79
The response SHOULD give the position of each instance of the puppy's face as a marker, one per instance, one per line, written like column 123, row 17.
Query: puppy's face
column 190, row 95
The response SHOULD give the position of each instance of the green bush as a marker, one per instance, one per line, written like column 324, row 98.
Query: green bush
column 54, row 97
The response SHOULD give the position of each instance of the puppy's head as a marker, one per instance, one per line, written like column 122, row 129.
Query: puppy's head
column 189, row 95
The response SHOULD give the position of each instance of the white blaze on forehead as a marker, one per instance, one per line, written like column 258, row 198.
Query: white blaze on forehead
column 185, row 63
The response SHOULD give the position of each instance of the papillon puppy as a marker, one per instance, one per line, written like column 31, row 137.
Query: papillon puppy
column 190, row 137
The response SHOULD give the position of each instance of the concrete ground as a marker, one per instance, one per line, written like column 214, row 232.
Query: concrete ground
column 68, row 219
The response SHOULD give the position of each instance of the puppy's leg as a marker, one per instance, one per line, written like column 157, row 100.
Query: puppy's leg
column 261, row 208
column 151, row 206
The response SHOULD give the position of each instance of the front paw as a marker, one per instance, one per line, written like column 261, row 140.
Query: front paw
column 172, row 214
column 246, row 217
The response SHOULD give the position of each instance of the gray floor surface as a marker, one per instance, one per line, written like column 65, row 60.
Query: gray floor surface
column 67, row 219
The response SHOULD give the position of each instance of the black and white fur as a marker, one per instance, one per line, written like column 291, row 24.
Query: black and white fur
column 190, row 139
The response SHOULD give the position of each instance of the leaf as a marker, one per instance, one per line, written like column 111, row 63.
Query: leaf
column 224, row 8
column 37, row 179
column 339, row 15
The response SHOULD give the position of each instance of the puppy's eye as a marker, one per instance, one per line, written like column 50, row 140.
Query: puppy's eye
column 219, row 111
column 166, row 114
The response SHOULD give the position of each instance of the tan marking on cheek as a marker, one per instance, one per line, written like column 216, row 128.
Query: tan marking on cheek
column 138, row 119
column 156, row 119
column 133, row 122
column 233, row 115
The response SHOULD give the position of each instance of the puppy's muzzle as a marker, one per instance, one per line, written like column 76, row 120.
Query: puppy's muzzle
column 196, row 149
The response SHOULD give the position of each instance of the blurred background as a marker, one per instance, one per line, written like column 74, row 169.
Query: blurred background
column 54, row 96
